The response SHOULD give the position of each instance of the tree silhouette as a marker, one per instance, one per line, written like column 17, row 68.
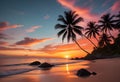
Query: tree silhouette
column 117, row 41
column 117, row 26
column 92, row 30
column 70, row 27
column 104, row 40
column 107, row 23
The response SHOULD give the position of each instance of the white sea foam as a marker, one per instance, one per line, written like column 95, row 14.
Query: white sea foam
column 16, row 71
column 24, row 67
column 14, row 64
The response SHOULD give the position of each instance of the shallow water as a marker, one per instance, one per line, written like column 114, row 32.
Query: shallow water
column 107, row 71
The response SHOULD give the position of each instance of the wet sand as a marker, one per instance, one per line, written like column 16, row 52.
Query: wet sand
column 108, row 70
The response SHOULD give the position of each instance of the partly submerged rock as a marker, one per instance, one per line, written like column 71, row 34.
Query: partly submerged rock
column 46, row 65
column 84, row 73
column 35, row 63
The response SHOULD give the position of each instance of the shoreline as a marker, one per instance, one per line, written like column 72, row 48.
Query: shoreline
column 107, row 71
column 95, row 58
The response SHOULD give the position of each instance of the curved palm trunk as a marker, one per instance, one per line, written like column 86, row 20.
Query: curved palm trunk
column 81, row 47
column 90, row 41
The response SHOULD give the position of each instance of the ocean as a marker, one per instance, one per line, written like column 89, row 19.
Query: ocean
column 19, row 70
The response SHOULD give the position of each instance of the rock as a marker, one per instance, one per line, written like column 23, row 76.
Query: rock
column 93, row 73
column 83, row 73
column 46, row 65
column 35, row 63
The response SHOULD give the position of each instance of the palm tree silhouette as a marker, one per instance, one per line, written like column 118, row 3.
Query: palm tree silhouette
column 92, row 30
column 118, row 21
column 117, row 41
column 70, row 27
column 104, row 40
column 107, row 23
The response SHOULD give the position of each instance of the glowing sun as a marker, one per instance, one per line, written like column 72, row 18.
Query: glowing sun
column 67, row 56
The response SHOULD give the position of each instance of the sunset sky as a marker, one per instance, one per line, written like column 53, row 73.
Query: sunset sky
column 27, row 26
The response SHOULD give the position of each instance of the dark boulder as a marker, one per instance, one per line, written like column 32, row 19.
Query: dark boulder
column 93, row 73
column 83, row 73
column 46, row 65
column 35, row 63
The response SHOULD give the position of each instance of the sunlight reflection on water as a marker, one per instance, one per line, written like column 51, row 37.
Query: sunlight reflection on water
column 107, row 71
column 67, row 69
column 60, row 72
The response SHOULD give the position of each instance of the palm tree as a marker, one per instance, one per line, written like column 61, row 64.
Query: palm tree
column 89, row 40
column 104, row 40
column 92, row 30
column 117, row 41
column 107, row 23
column 118, row 21
column 70, row 27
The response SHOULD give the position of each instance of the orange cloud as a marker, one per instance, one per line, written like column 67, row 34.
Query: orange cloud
column 31, row 41
column 9, row 51
column 4, row 36
column 84, row 12
column 6, row 25
column 116, row 6
column 33, row 28
column 3, row 43
column 51, row 50
column 9, row 48
column 68, row 49
column 21, row 52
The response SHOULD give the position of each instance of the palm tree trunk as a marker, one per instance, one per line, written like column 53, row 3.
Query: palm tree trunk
column 90, row 41
column 81, row 47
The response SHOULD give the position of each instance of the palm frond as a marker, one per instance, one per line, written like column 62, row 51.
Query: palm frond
column 104, row 40
column 62, row 19
column 110, row 18
column 77, row 31
column 61, row 32
column 69, row 35
column 60, row 26
column 92, row 29
column 68, row 16
column 73, row 36
column 77, row 20
column 64, row 35
column 69, row 29
column 75, row 16
column 79, row 27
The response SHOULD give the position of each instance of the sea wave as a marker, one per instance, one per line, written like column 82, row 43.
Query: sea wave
column 25, row 69
column 14, row 64
column 15, row 71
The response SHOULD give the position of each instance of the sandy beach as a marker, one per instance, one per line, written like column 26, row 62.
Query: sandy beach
column 59, row 40
column 107, row 71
